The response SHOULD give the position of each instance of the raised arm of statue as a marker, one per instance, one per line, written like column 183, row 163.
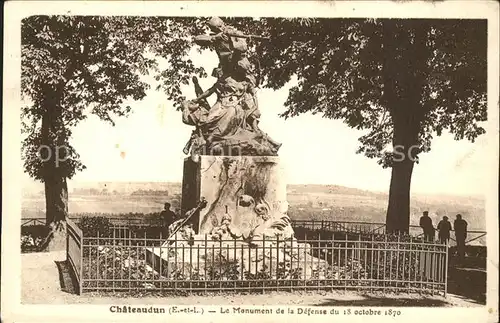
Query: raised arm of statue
column 203, row 40
column 239, row 34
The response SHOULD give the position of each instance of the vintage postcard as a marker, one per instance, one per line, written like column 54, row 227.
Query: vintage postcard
column 243, row 161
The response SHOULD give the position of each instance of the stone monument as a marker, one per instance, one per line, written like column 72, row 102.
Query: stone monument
column 233, row 164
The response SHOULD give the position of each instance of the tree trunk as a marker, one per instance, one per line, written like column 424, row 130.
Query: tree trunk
column 398, row 211
column 404, row 72
column 56, row 204
column 405, row 142
column 56, row 188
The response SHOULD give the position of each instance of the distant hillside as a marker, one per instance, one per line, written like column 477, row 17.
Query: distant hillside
column 292, row 189
column 125, row 187
column 313, row 201
column 85, row 188
column 331, row 189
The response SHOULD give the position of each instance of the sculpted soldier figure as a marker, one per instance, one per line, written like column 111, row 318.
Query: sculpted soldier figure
column 229, row 43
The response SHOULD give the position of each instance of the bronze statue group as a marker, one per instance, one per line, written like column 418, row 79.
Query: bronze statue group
column 230, row 126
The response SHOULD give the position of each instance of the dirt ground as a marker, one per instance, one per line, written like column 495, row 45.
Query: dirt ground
column 45, row 281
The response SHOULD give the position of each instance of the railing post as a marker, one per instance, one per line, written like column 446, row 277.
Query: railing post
column 67, row 242
column 359, row 248
column 80, row 279
column 446, row 271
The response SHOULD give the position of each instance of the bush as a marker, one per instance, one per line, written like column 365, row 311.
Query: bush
column 97, row 226
column 32, row 237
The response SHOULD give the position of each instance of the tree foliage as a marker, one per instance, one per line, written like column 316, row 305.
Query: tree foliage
column 402, row 81
column 341, row 66
column 75, row 66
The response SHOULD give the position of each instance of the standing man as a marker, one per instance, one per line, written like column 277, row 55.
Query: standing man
column 444, row 227
column 427, row 227
column 229, row 43
column 167, row 215
column 460, row 227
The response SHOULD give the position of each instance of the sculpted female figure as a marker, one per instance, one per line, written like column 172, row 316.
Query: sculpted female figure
column 251, row 106
column 226, row 115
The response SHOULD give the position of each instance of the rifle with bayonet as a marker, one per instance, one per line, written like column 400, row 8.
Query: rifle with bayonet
column 231, row 34
column 248, row 36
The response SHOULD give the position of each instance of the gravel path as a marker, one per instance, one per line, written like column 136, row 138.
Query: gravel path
column 45, row 281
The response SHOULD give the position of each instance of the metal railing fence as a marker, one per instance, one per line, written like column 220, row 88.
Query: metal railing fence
column 129, row 258
column 476, row 236
column 394, row 263
column 74, row 251
column 32, row 221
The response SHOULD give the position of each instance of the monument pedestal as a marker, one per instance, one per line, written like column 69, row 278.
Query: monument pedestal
column 204, row 257
column 246, row 195
column 236, row 185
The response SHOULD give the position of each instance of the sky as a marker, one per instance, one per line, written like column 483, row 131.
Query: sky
column 147, row 147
